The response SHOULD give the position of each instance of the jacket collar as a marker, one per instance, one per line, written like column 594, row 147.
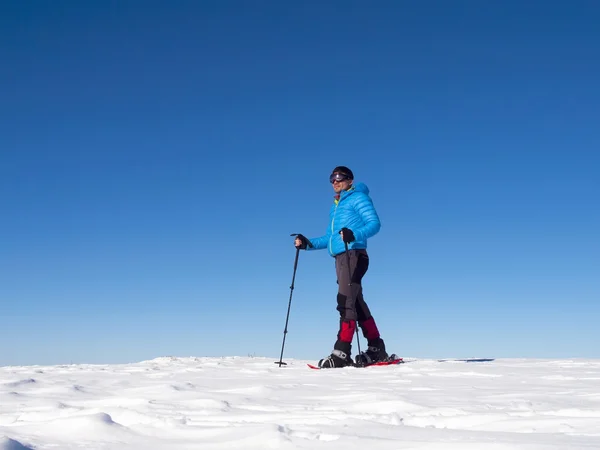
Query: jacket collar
column 344, row 194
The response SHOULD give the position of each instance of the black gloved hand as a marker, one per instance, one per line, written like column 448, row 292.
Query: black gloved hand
column 304, row 242
column 347, row 235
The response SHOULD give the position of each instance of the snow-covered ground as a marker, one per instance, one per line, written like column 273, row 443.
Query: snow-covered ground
column 251, row 403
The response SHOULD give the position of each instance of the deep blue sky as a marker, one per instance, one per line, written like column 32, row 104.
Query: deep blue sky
column 155, row 157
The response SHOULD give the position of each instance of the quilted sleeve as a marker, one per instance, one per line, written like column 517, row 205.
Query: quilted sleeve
column 320, row 242
column 366, row 210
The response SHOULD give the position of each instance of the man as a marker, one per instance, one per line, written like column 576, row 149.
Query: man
column 352, row 220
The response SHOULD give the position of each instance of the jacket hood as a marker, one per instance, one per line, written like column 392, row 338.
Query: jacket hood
column 361, row 187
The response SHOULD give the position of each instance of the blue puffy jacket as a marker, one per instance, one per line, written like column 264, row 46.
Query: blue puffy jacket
column 354, row 210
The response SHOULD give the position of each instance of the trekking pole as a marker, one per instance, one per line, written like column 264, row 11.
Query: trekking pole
column 351, row 293
column 287, row 317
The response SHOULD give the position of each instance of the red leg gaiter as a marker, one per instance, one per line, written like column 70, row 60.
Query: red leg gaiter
column 370, row 329
column 347, row 330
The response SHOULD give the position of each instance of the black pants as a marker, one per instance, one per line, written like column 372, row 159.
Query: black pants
column 351, row 303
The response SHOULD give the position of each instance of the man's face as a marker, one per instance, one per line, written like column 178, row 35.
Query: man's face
column 340, row 182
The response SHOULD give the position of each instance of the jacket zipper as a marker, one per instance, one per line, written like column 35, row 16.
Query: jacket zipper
column 332, row 228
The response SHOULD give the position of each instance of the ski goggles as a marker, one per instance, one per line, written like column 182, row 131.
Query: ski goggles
column 338, row 177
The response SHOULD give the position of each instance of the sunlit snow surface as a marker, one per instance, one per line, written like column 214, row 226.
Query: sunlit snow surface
column 251, row 403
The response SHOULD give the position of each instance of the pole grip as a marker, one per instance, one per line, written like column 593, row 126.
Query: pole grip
column 307, row 241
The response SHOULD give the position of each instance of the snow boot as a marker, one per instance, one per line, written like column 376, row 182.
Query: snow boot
column 337, row 359
column 375, row 353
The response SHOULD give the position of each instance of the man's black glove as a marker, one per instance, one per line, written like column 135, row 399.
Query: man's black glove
column 304, row 242
column 347, row 235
